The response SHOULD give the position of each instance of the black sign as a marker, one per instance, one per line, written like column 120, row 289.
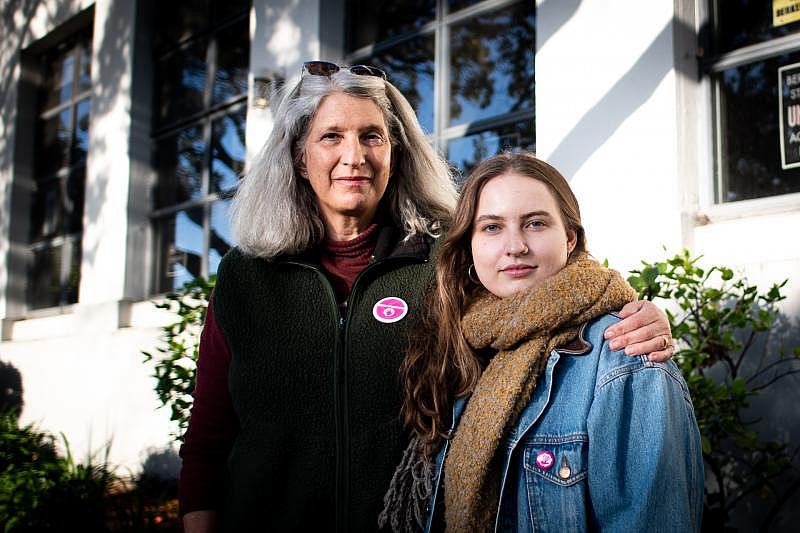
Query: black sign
column 789, row 102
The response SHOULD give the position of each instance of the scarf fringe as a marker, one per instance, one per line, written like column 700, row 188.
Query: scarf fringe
column 409, row 492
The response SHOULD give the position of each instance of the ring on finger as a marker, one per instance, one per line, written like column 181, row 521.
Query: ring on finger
column 666, row 342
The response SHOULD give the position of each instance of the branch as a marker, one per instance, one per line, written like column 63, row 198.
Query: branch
column 744, row 349
column 776, row 378
column 779, row 502
column 767, row 368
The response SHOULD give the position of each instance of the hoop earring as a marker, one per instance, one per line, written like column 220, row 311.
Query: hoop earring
column 473, row 277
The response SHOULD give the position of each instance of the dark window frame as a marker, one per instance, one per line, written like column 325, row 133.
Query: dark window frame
column 712, row 67
column 68, row 237
column 204, row 119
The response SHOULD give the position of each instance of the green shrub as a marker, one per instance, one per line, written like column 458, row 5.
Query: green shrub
column 720, row 325
column 176, row 359
column 42, row 491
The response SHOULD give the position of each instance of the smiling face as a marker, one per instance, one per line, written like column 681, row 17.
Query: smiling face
column 518, row 236
column 347, row 160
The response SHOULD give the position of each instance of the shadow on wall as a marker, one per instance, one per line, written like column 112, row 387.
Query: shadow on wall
column 629, row 93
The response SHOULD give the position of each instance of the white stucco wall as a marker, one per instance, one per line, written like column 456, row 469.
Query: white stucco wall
column 606, row 117
column 87, row 380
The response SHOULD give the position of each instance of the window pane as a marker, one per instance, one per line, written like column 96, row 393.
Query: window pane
column 73, row 202
column 176, row 21
column 44, row 278
column 220, row 239
column 58, row 84
column 54, row 134
column 468, row 151
column 233, row 53
column 181, row 247
column 372, row 21
column 73, row 281
column 410, row 66
column 85, row 69
column 750, row 129
column 180, row 167
column 745, row 22
column 80, row 145
column 492, row 67
column 46, row 210
column 455, row 5
column 183, row 78
column 224, row 9
column 228, row 152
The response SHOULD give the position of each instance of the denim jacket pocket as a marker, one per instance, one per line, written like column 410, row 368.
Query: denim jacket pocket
column 556, row 471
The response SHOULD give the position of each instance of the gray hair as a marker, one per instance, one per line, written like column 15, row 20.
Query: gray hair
column 275, row 212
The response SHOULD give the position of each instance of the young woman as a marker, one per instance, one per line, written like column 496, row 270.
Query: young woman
column 522, row 416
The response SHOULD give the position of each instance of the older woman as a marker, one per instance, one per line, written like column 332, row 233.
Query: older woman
column 295, row 424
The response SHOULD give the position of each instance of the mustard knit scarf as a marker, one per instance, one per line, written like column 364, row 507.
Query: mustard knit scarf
column 523, row 329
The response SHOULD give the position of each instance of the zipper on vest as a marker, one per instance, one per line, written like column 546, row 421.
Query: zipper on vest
column 341, row 416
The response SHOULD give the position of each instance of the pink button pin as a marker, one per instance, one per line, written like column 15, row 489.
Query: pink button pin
column 390, row 309
column 545, row 460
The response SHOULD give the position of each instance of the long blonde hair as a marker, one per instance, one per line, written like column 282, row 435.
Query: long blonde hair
column 440, row 366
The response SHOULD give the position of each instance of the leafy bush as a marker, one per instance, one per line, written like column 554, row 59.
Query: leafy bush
column 41, row 490
column 176, row 360
column 720, row 328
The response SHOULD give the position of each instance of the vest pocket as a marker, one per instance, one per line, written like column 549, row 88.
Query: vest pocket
column 556, row 469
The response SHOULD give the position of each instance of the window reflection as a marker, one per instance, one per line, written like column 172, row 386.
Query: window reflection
column 46, row 210
column 183, row 78
column 74, row 200
column 372, row 21
column 84, row 71
column 233, row 50
column 182, row 247
column 746, row 22
column 73, row 281
column 61, row 148
column 750, row 158
column 410, row 67
column 468, row 151
column 178, row 21
column 80, row 145
column 220, row 239
column 44, row 278
column 54, row 138
column 455, row 5
column 228, row 152
column 180, row 166
column 492, row 65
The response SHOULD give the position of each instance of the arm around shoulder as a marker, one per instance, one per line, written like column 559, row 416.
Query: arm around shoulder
column 645, row 457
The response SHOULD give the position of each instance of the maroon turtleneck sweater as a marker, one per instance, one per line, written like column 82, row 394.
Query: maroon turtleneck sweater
column 213, row 428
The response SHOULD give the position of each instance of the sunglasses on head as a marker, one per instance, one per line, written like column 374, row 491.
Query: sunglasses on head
column 326, row 68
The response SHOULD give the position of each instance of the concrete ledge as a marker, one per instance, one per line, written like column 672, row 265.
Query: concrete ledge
column 87, row 320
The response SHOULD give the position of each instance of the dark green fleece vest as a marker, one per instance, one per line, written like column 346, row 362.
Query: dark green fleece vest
column 317, row 397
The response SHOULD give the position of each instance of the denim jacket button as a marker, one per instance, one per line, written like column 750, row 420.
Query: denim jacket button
column 564, row 471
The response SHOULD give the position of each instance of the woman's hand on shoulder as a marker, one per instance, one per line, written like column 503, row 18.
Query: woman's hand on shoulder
column 644, row 329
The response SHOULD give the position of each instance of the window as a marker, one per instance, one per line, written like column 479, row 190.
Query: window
column 752, row 42
column 467, row 68
column 202, row 53
column 59, row 172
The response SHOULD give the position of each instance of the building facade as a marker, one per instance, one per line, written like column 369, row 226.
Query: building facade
column 125, row 125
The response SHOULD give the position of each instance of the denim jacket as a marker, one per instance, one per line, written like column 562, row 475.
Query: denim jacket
column 607, row 442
